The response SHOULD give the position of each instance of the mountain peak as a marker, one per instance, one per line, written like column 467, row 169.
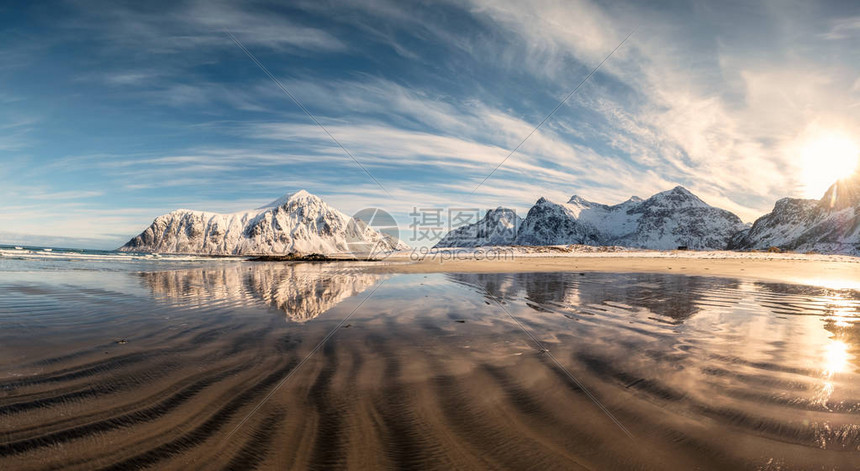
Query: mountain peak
column 298, row 195
column 680, row 190
column 676, row 197
column 576, row 199
column 500, row 211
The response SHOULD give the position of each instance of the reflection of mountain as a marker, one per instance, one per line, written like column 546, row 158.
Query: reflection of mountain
column 674, row 296
column 302, row 290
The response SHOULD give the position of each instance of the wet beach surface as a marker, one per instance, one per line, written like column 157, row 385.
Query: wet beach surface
column 137, row 366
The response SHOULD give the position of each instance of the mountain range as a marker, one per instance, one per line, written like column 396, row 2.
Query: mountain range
column 667, row 220
column 679, row 219
column 301, row 223
column 297, row 223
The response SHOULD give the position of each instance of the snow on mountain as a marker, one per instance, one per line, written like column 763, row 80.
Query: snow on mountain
column 296, row 223
column 498, row 227
column 664, row 221
column 828, row 225
column 676, row 218
column 551, row 223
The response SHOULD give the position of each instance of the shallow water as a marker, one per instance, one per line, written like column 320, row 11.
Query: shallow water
column 216, row 365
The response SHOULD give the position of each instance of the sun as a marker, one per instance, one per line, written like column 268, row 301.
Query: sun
column 827, row 157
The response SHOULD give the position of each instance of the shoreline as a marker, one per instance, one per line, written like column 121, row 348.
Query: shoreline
column 834, row 272
column 828, row 271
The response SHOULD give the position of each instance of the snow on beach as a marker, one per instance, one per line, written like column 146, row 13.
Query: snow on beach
column 588, row 251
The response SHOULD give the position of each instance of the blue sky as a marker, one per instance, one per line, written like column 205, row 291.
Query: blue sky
column 113, row 113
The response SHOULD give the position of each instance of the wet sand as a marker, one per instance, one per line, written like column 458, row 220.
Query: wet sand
column 837, row 274
column 128, row 370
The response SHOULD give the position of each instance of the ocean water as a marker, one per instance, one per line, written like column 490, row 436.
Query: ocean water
column 29, row 259
column 112, row 361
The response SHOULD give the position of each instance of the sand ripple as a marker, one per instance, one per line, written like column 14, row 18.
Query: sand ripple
column 155, row 370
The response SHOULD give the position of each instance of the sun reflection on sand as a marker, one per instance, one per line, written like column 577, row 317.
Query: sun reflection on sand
column 835, row 357
column 843, row 313
column 830, row 283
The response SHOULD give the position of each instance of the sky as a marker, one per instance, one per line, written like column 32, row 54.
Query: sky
column 112, row 113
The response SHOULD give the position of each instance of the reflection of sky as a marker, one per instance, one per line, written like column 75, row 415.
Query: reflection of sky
column 781, row 332
column 729, row 342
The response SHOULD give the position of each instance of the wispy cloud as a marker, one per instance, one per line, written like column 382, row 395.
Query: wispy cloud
column 844, row 28
column 174, row 27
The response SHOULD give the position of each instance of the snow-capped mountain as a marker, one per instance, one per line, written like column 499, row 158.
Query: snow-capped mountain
column 828, row 225
column 498, row 227
column 676, row 218
column 664, row 221
column 298, row 223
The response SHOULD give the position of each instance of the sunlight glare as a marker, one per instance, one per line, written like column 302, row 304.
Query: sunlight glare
column 827, row 158
column 835, row 357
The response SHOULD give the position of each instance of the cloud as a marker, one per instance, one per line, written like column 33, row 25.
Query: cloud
column 63, row 195
column 844, row 28
column 175, row 27
column 16, row 132
column 703, row 115
column 130, row 78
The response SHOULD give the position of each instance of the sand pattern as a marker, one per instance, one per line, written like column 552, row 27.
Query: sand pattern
column 156, row 370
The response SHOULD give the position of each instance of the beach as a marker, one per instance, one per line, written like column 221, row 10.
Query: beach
column 829, row 271
column 574, row 362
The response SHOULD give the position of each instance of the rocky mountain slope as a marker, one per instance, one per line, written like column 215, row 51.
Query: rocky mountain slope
column 828, row 225
column 666, row 220
column 296, row 223
column 498, row 227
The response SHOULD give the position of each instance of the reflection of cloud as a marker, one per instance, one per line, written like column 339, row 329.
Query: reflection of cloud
column 674, row 296
column 302, row 291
